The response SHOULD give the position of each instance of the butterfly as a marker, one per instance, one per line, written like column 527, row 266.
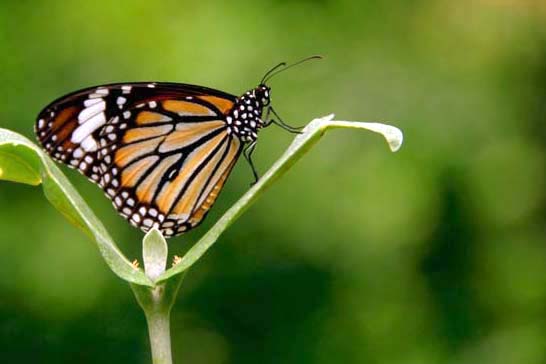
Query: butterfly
column 160, row 151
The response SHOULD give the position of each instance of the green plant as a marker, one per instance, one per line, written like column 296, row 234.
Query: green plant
column 155, row 287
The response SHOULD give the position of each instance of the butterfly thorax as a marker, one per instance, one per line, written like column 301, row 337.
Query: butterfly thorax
column 245, row 118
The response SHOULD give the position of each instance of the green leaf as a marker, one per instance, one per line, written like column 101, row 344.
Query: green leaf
column 18, row 165
column 154, row 253
column 22, row 161
column 301, row 144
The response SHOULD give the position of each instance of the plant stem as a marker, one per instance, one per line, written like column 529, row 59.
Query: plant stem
column 160, row 336
column 157, row 302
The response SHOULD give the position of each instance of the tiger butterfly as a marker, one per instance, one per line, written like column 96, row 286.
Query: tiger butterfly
column 160, row 151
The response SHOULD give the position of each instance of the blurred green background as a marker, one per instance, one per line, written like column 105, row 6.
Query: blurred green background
column 436, row 254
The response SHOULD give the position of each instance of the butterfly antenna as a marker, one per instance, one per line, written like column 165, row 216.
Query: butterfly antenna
column 271, row 72
column 282, row 64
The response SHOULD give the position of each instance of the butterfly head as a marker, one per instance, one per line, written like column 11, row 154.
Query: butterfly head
column 263, row 94
column 245, row 118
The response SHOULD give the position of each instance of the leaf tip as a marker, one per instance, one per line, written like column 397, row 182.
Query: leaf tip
column 154, row 253
column 394, row 137
column 392, row 134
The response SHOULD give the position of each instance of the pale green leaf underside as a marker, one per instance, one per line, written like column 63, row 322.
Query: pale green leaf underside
column 22, row 161
column 301, row 144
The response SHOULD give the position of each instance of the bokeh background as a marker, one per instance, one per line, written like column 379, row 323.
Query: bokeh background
column 436, row 254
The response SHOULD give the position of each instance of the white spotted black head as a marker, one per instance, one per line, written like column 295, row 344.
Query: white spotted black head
column 245, row 118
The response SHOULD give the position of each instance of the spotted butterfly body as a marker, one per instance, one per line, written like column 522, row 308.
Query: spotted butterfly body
column 160, row 151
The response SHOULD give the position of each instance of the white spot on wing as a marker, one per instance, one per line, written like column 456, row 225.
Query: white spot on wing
column 78, row 153
column 92, row 110
column 89, row 144
column 87, row 128
column 90, row 102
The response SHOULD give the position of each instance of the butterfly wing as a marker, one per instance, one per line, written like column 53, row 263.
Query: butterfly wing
column 160, row 151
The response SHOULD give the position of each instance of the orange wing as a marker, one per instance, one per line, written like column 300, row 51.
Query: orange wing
column 161, row 152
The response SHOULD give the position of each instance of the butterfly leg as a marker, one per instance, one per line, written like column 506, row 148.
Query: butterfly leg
column 267, row 119
column 278, row 121
column 247, row 152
